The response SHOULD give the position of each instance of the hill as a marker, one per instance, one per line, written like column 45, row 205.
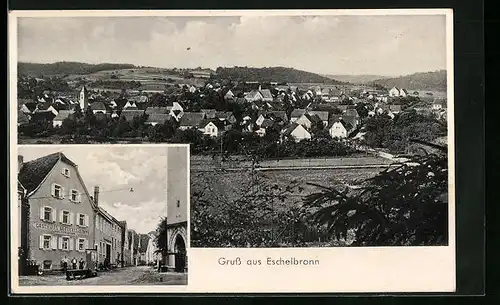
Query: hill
column 356, row 79
column 273, row 74
column 418, row 81
column 66, row 68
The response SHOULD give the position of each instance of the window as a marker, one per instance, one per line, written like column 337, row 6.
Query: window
column 65, row 217
column 65, row 172
column 178, row 203
column 65, row 243
column 81, row 244
column 57, row 191
column 47, row 242
column 82, row 220
column 75, row 196
column 47, row 214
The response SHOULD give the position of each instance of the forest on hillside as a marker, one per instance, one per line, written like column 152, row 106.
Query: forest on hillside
column 432, row 81
column 66, row 68
column 273, row 74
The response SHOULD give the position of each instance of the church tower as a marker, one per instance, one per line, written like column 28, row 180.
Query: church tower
column 177, row 201
column 83, row 98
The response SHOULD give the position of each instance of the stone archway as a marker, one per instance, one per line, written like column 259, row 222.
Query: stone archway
column 177, row 244
column 180, row 254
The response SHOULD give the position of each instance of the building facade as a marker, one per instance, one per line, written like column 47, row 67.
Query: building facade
column 108, row 235
column 61, row 211
column 177, row 200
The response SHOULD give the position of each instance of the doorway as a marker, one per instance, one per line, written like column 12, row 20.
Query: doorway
column 180, row 254
column 108, row 253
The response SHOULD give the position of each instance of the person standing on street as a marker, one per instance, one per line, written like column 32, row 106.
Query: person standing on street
column 81, row 263
column 74, row 261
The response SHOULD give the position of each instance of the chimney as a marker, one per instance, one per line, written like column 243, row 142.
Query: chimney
column 20, row 162
column 96, row 195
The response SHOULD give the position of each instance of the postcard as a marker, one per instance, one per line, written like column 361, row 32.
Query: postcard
column 232, row 151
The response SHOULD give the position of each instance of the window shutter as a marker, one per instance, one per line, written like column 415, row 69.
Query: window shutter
column 59, row 242
column 79, row 197
column 53, row 241
column 41, row 212
column 72, row 244
column 62, row 192
column 61, row 212
column 86, row 220
column 53, row 190
column 71, row 216
column 41, row 241
column 85, row 244
column 54, row 215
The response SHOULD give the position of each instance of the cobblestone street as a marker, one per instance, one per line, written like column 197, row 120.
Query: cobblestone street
column 141, row 275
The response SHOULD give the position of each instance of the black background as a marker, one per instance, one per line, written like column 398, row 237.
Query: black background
column 469, row 83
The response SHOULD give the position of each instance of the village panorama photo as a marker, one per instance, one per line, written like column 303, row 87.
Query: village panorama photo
column 312, row 130
column 102, row 215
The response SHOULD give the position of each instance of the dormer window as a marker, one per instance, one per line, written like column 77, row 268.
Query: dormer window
column 65, row 172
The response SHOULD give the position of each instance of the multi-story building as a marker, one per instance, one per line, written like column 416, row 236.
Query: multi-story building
column 60, row 220
column 108, row 235
column 126, row 253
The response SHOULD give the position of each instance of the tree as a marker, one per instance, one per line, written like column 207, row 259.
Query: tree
column 161, row 238
column 405, row 205
column 362, row 110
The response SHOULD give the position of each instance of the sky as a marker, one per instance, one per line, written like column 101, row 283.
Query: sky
column 116, row 170
column 388, row 45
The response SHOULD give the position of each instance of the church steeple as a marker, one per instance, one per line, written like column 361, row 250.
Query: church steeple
column 83, row 98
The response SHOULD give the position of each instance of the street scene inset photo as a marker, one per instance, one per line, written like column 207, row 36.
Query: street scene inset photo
column 102, row 215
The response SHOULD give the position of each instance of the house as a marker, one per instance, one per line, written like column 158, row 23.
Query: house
column 325, row 94
column 296, row 114
column 139, row 99
column 129, row 115
column 352, row 112
column 157, row 110
column 439, row 104
column 403, row 93
column 98, row 107
column 266, row 95
column 394, row 91
column 114, row 114
column 61, row 116
column 395, row 109
column 229, row 95
column 192, row 89
column 191, row 120
column 157, row 118
column 152, row 256
column 26, row 106
column 323, row 115
column 176, row 111
column 42, row 116
column 108, row 234
column 297, row 132
column 267, row 123
column 209, row 113
column 130, row 105
column 342, row 108
column 227, row 116
column 61, row 210
column 254, row 95
column 42, row 107
column 305, row 120
column 213, row 127
column 337, row 128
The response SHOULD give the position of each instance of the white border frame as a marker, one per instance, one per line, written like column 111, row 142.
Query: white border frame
column 404, row 269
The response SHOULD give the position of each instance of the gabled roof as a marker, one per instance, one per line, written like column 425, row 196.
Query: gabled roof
column 266, row 93
column 157, row 110
column 31, row 105
column 209, row 113
column 44, row 106
column 314, row 118
column 297, row 113
column 278, row 114
column 22, row 118
column 130, row 114
column 97, row 106
column 291, row 128
column 342, row 107
column 158, row 118
column 192, row 119
column 216, row 122
column 323, row 115
column 120, row 103
column 267, row 123
column 252, row 94
column 63, row 114
column 351, row 112
column 33, row 172
column 42, row 116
